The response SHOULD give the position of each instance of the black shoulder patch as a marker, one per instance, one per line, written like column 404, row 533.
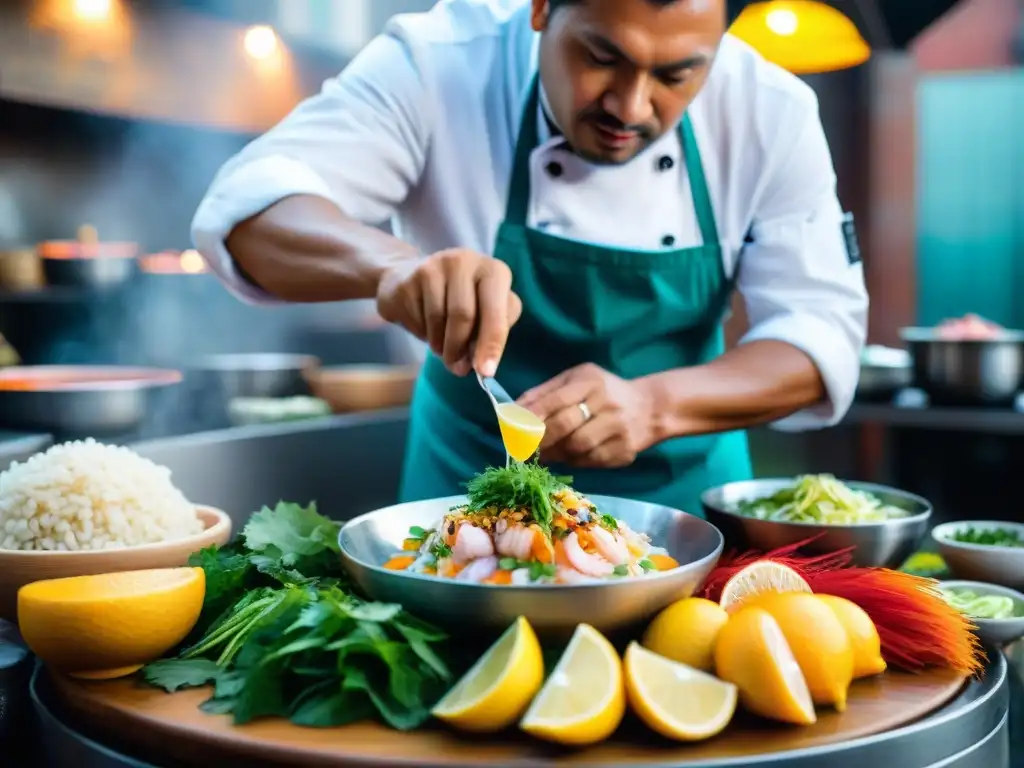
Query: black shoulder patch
column 853, row 255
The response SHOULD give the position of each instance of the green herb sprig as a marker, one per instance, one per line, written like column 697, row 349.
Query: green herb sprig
column 518, row 486
column 282, row 635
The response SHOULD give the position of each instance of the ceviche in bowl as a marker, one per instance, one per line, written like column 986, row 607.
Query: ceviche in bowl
column 520, row 525
column 525, row 542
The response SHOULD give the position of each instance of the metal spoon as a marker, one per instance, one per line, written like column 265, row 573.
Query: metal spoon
column 494, row 390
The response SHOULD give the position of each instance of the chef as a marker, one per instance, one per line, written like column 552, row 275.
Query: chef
column 576, row 187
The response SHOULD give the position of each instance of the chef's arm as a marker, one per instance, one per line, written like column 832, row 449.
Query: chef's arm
column 294, row 215
column 304, row 249
column 803, row 285
column 755, row 383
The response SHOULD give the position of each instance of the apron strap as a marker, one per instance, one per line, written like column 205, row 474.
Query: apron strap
column 698, row 183
column 519, row 187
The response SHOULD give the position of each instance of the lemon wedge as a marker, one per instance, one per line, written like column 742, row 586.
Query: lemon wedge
column 521, row 430
column 819, row 642
column 675, row 700
column 584, row 699
column 867, row 645
column 752, row 653
column 499, row 687
column 110, row 625
column 758, row 578
column 687, row 631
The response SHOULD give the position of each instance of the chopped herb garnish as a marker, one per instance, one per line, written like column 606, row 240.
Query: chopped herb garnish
column 991, row 537
column 441, row 550
column 415, row 532
column 609, row 521
column 518, row 486
column 621, row 570
column 508, row 563
column 647, row 565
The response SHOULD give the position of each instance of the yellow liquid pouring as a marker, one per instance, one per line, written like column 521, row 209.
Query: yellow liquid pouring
column 521, row 431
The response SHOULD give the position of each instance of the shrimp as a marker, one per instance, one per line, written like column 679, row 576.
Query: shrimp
column 609, row 546
column 589, row 565
column 478, row 570
column 471, row 543
column 515, row 541
column 524, row 543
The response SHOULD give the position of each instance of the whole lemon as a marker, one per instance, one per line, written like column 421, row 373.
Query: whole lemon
column 867, row 646
column 687, row 631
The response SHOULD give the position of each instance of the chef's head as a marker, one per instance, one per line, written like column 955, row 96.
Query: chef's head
column 620, row 73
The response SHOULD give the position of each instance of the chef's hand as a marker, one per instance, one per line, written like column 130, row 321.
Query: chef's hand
column 450, row 300
column 593, row 418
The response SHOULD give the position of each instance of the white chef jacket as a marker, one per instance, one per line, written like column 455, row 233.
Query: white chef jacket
column 420, row 129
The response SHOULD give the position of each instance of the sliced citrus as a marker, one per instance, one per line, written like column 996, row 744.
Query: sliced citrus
column 584, row 699
column 758, row 578
column 499, row 687
column 818, row 641
column 676, row 700
column 686, row 632
column 752, row 654
column 110, row 625
column 867, row 646
column 521, row 430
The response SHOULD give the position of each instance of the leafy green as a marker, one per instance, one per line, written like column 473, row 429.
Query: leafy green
column 517, row 486
column 991, row 537
column 281, row 635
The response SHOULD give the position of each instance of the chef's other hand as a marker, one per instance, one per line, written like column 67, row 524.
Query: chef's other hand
column 452, row 299
column 593, row 417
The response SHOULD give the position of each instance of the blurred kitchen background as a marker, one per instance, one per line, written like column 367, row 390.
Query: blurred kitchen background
column 115, row 114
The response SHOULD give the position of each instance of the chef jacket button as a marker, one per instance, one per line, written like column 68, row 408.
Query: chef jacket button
column 665, row 163
column 554, row 169
column 668, row 240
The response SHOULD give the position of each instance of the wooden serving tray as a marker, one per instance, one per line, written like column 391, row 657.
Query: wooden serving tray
column 172, row 727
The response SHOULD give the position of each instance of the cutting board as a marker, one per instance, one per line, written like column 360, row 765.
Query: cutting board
column 171, row 726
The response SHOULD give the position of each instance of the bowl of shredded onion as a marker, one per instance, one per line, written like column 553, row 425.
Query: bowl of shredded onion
column 997, row 612
column 883, row 525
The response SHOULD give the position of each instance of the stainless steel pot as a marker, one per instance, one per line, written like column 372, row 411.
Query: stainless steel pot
column 79, row 400
column 259, row 375
column 969, row 372
column 101, row 273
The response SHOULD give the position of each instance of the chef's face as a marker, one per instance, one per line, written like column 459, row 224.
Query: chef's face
column 620, row 73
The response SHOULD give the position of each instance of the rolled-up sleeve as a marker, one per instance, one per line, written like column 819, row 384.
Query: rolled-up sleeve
column 799, row 284
column 361, row 143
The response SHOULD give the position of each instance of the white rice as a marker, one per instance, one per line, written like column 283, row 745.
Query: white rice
column 85, row 495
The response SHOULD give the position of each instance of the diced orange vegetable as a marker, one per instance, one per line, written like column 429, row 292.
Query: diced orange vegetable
column 400, row 562
column 663, row 562
column 499, row 577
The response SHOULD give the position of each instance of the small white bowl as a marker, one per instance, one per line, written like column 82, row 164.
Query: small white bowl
column 995, row 631
column 981, row 562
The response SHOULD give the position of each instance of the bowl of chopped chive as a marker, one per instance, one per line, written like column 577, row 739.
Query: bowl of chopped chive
column 989, row 551
column 997, row 612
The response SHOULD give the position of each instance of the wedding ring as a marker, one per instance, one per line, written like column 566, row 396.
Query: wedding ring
column 585, row 410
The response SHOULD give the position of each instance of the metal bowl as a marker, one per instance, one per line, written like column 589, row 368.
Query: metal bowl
column 886, row 544
column 997, row 632
column 981, row 562
column 989, row 372
column 99, row 273
column 86, row 400
column 267, row 374
column 369, row 540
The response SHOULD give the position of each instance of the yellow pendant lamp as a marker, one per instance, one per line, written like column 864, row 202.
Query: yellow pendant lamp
column 804, row 36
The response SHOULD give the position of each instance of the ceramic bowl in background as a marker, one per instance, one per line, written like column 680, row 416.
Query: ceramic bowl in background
column 981, row 562
column 998, row 632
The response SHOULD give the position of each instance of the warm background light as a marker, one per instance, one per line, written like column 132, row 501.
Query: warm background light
column 93, row 10
column 261, row 42
column 804, row 36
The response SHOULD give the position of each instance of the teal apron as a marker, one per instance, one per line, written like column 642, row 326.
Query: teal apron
column 632, row 313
